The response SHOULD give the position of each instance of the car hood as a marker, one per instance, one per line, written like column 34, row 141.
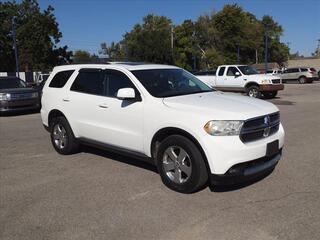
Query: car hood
column 18, row 90
column 221, row 106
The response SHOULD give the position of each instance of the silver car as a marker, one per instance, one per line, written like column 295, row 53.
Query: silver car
column 300, row 74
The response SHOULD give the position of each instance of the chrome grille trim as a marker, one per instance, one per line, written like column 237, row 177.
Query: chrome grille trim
column 260, row 127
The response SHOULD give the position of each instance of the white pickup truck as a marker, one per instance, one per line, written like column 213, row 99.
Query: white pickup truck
column 243, row 78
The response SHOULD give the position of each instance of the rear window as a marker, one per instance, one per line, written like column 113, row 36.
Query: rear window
column 221, row 71
column 89, row 81
column 60, row 79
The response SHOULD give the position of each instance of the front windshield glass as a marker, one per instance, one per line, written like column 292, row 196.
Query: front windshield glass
column 248, row 70
column 11, row 83
column 170, row 82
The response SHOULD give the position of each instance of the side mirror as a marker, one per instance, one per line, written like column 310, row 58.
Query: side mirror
column 126, row 93
column 237, row 74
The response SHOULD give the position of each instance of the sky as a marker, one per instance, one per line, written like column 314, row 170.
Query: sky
column 87, row 23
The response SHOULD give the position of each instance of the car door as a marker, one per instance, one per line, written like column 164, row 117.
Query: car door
column 231, row 80
column 295, row 73
column 99, row 116
column 82, row 102
column 220, row 77
column 121, row 120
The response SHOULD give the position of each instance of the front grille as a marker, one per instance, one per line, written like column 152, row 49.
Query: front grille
column 15, row 96
column 260, row 127
column 276, row 81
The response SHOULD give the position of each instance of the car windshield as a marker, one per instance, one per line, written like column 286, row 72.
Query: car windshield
column 248, row 70
column 170, row 82
column 11, row 83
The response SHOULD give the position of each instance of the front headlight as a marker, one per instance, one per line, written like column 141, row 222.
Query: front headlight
column 5, row 96
column 223, row 128
column 266, row 81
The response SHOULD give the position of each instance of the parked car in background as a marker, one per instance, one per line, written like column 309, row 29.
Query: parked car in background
column 42, row 77
column 314, row 73
column 15, row 95
column 301, row 74
column 243, row 78
column 165, row 115
column 274, row 72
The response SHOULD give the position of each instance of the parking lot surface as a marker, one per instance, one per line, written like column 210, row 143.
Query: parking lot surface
column 99, row 195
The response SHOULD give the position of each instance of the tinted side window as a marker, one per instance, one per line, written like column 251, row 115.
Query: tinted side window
column 303, row 70
column 90, row 81
column 221, row 71
column 60, row 79
column 232, row 71
column 295, row 70
column 115, row 81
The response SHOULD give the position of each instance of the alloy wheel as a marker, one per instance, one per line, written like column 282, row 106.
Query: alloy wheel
column 59, row 136
column 177, row 164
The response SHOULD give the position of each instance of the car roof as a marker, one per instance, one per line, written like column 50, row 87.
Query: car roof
column 131, row 66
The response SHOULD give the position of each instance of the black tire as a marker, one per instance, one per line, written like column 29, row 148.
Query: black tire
column 254, row 91
column 302, row 80
column 198, row 176
column 269, row 95
column 71, row 144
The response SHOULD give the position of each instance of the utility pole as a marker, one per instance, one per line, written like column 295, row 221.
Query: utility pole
column 171, row 32
column 15, row 46
column 238, row 54
column 288, row 45
column 266, row 48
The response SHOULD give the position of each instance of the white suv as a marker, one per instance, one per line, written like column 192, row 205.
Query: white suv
column 166, row 115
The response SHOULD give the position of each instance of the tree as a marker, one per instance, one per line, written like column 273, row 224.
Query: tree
column 114, row 52
column 37, row 36
column 210, row 41
column 184, row 50
column 81, row 56
column 150, row 41
column 278, row 52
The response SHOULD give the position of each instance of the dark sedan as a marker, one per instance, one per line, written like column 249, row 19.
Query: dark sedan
column 16, row 96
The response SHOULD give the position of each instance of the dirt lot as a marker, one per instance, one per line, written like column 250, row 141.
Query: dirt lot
column 98, row 195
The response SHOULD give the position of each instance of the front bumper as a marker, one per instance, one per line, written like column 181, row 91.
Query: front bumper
column 19, row 105
column 224, row 152
column 247, row 171
column 271, row 87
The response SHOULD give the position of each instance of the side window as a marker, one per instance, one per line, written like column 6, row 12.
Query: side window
column 303, row 70
column 232, row 71
column 89, row 81
column 115, row 81
column 221, row 71
column 295, row 70
column 60, row 79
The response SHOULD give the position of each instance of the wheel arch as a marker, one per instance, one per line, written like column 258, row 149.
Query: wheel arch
column 163, row 133
column 250, row 84
column 53, row 114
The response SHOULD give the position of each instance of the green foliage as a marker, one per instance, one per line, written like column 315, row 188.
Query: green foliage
column 208, row 42
column 37, row 35
column 80, row 56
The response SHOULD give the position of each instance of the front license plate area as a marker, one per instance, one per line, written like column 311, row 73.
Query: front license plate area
column 272, row 148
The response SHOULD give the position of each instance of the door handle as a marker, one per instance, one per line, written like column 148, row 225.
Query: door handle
column 103, row 105
column 66, row 99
